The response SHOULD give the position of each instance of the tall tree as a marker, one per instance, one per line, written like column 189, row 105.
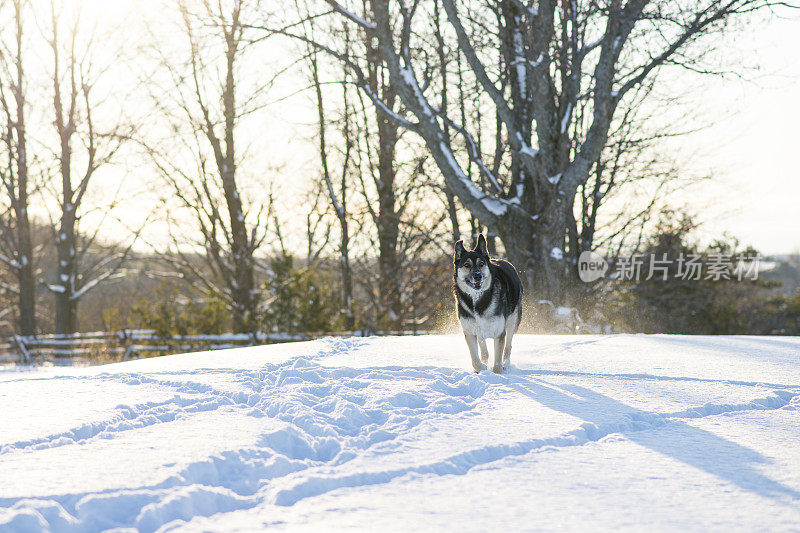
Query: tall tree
column 81, row 150
column 553, row 57
column 201, row 160
column 338, row 196
column 387, row 217
column 16, row 244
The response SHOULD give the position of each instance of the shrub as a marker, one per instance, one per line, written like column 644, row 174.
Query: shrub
column 299, row 299
column 172, row 313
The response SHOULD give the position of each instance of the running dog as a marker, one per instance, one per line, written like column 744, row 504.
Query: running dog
column 489, row 302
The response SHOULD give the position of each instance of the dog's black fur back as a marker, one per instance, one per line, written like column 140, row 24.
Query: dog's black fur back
column 511, row 286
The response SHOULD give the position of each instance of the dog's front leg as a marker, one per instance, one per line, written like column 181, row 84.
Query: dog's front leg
column 472, row 344
column 511, row 328
column 507, row 356
column 499, row 350
column 484, row 350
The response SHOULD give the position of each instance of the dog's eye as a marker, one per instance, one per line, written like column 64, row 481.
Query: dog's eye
column 468, row 264
column 480, row 263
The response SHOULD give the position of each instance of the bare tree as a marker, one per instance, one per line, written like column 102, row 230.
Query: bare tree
column 379, row 149
column 338, row 196
column 632, row 181
column 16, row 245
column 553, row 56
column 631, row 163
column 202, row 102
column 82, row 150
column 385, row 176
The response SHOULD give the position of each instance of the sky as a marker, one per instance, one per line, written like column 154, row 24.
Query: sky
column 748, row 143
column 751, row 149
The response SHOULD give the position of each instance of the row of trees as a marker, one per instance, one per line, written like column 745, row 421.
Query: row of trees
column 563, row 82
column 431, row 120
column 51, row 147
column 702, row 299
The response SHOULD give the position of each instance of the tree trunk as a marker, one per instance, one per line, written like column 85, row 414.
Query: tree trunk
column 242, row 290
column 388, row 227
column 536, row 249
column 66, row 306
column 66, row 315
column 388, row 230
column 344, row 246
column 26, row 282
column 452, row 213
column 66, row 321
column 242, row 285
column 25, row 277
column 347, row 278
column 388, row 221
column 339, row 205
column 27, row 298
column 243, row 282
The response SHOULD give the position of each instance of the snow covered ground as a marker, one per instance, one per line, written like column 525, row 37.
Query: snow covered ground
column 628, row 432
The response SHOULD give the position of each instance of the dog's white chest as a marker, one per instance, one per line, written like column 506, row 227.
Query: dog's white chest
column 484, row 327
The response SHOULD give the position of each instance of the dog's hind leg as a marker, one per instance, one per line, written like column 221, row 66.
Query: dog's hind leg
column 499, row 353
column 472, row 344
column 507, row 352
column 484, row 350
column 511, row 328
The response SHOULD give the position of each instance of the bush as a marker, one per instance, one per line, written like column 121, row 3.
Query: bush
column 704, row 306
column 172, row 313
column 299, row 299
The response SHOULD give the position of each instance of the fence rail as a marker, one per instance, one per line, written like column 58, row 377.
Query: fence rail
column 105, row 346
column 132, row 344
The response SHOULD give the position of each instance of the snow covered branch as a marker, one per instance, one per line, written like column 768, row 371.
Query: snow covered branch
column 368, row 27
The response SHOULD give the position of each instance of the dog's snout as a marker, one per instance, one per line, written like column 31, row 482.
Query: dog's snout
column 477, row 276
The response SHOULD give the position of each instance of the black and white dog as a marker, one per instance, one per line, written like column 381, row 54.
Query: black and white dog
column 489, row 300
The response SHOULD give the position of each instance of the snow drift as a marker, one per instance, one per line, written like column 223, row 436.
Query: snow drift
column 583, row 433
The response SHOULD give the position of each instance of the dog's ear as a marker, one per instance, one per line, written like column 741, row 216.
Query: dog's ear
column 458, row 251
column 481, row 246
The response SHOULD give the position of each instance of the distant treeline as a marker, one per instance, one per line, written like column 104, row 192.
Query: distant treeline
column 302, row 297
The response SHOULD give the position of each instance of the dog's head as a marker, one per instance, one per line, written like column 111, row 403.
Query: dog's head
column 472, row 266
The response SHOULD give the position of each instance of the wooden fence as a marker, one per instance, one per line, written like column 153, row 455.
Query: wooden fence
column 102, row 346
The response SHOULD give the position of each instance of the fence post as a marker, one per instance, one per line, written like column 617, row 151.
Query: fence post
column 124, row 341
column 24, row 354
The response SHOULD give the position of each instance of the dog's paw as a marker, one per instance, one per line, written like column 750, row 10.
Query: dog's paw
column 479, row 368
column 498, row 369
column 506, row 364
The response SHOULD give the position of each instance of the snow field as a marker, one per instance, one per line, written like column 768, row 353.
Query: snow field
column 618, row 432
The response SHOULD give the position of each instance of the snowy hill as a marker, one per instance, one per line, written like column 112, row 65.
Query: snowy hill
column 583, row 433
